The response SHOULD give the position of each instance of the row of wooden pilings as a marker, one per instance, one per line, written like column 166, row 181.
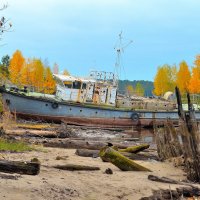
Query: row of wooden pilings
column 182, row 142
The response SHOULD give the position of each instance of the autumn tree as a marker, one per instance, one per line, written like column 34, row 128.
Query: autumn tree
column 183, row 77
column 139, row 90
column 26, row 72
column 164, row 80
column 15, row 67
column 194, row 84
column 130, row 90
column 37, row 74
column 197, row 61
column 66, row 73
column 49, row 82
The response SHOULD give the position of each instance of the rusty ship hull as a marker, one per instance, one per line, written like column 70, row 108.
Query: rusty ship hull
column 44, row 109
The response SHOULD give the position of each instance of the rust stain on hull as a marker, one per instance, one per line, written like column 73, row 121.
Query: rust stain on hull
column 100, row 122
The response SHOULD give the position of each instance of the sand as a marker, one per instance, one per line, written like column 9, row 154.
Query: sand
column 54, row 184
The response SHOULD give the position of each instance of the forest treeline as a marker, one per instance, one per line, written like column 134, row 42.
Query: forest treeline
column 35, row 73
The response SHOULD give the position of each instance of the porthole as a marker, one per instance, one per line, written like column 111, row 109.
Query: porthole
column 8, row 101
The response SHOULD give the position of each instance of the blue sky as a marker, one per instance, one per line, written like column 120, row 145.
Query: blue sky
column 80, row 35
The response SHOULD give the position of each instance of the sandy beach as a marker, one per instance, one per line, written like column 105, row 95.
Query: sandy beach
column 55, row 184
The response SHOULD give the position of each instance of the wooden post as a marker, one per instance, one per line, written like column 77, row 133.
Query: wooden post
column 190, row 138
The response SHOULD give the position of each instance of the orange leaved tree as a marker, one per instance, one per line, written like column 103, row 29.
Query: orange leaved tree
column 66, row 73
column 183, row 77
column 49, row 82
column 130, row 90
column 37, row 74
column 164, row 80
column 15, row 67
column 194, row 85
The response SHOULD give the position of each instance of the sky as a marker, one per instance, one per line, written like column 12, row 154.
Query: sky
column 81, row 35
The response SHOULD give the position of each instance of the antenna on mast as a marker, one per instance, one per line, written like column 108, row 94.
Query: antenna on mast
column 120, row 49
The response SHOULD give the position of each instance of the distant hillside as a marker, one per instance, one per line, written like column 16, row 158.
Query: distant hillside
column 147, row 85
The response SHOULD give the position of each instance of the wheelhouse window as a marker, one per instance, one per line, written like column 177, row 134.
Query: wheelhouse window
column 84, row 86
column 76, row 85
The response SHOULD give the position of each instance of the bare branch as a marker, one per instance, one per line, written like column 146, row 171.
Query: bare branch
column 5, row 25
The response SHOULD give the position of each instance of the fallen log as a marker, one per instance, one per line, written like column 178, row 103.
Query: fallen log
column 30, row 168
column 72, row 167
column 120, row 161
column 79, row 144
column 178, row 193
column 135, row 149
column 163, row 179
column 87, row 153
column 132, row 156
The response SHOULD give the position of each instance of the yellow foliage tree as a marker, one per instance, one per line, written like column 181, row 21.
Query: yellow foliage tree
column 130, row 90
column 25, row 77
column 66, row 73
column 16, row 64
column 139, row 90
column 164, row 80
column 197, row 61
column 49, row 82
column 194, row 85
column 183, row 77
column 36, row 70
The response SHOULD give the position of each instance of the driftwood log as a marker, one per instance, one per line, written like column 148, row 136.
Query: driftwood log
column 72, row 167
column 120, row 161
column 79, row 144
column 30, row 168
column 132, row 156
column 179, row 193
column 87, row 153
column 135, row 149
column 164, row 180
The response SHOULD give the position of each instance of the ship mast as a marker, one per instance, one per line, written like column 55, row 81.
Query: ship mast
column 120, row 46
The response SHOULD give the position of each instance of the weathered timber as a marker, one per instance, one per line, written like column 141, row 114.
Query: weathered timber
column 32, row 133
column 163, row 179
column 72, row 167
column 77, row 144
column 177, row 194
column 168, row 145
column 190, row 137
column 132, row 156
column 87, row 153
column 120, row 161
column 30, row 168
column 135, row 149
